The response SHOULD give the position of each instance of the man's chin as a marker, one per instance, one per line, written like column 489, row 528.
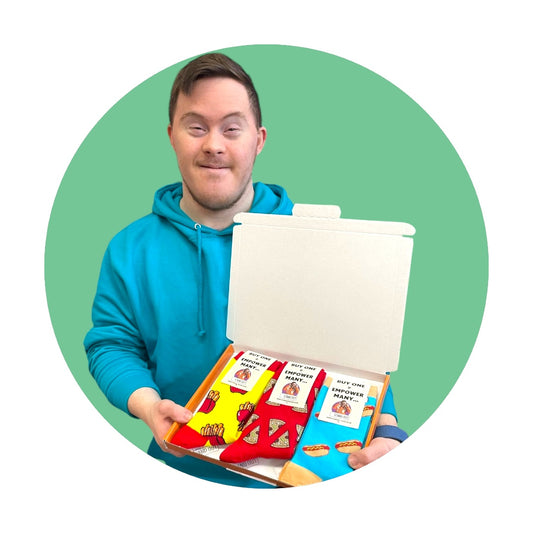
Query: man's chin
column 218, row 200
column 217, row 205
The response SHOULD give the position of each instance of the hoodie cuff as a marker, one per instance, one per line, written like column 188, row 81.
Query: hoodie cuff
column 119, row 392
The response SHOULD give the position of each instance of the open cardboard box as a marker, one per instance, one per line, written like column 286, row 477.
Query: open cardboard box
column 317, row 289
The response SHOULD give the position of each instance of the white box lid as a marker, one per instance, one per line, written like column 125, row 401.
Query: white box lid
column 321, row 288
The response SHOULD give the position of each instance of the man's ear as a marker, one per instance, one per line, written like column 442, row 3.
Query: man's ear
column 169, row 132
column 261, row 139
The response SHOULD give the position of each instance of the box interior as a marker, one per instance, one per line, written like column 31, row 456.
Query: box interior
column 266, row 470
column 320, row 289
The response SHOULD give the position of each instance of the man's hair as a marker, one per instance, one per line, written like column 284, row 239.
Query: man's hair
column 213, row 65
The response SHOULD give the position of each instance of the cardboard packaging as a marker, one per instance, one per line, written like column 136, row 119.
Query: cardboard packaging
column 318, row 289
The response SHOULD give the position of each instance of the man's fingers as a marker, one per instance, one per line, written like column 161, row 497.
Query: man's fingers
column 166, row 412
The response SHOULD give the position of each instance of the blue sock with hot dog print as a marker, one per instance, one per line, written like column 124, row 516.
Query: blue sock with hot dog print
column 323, row 450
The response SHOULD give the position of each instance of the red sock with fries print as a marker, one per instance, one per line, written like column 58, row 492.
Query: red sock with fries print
column 273, row 430
column 226, row 407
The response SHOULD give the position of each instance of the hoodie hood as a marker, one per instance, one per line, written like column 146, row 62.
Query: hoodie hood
column 268, row 199
column 271, row 199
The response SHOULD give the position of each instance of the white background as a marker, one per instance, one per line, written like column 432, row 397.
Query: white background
column 64, row 64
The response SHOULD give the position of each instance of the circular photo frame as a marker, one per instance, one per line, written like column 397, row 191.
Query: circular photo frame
column 338, row 134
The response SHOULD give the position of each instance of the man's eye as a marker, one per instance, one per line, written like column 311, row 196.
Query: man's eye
column 233, row 130
column 196, row 130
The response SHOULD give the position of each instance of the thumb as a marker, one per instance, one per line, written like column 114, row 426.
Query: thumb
column 174, row 411
column 360, row 458
column 377, row 448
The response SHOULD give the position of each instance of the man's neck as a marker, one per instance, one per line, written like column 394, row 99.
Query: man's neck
column 215, row 219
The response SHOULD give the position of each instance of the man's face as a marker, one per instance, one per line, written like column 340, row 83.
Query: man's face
column 216, row 141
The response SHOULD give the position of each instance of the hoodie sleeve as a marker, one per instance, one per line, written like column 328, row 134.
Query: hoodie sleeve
column 117, row 356
column 388, row 404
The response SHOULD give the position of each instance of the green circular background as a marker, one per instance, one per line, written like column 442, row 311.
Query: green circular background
column 337, row 134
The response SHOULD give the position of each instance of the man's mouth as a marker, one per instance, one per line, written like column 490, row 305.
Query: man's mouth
column 213, row 166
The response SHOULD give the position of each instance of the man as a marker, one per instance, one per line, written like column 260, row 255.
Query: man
column 161, row 305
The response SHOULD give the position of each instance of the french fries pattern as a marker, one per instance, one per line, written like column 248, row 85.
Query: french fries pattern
column 245, row 409
column 214, row 433
column 224, row 410
column 209, row 401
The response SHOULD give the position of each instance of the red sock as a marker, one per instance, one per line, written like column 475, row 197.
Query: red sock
column 274, row 429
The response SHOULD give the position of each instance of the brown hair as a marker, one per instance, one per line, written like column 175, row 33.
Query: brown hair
column 211, row 66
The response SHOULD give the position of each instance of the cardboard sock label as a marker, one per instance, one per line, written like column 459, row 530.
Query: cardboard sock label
column 247, row 370
column 294, row 385
column 345, row 401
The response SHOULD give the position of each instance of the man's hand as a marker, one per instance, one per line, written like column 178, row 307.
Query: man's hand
column 377, row 447
column 158, row 414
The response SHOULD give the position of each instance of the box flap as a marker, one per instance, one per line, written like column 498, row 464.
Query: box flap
column 320, row 287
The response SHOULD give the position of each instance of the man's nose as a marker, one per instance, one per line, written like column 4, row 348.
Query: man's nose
column 214, row 143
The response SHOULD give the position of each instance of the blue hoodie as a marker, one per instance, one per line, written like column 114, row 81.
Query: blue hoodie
column 159, row 314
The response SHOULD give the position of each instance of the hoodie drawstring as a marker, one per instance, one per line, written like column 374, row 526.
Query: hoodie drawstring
column 201, row 329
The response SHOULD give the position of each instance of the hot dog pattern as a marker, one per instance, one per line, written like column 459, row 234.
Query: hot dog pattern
column 322, row 451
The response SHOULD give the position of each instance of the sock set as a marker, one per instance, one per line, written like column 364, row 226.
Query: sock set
column 261, row 407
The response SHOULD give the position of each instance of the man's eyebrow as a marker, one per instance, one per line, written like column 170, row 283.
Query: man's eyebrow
column 198, row 116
